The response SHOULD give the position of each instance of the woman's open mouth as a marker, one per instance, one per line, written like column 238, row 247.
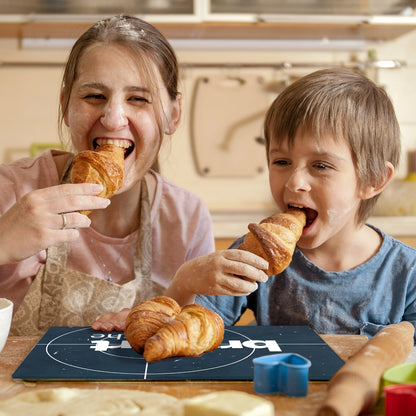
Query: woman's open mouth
column 126, row 145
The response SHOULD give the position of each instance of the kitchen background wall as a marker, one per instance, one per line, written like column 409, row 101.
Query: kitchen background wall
column 231, row 174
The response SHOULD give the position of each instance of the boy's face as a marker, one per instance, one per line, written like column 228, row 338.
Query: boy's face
column 319, row 176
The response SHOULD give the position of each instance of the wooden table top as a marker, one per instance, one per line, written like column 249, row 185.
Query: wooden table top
column 17, row 348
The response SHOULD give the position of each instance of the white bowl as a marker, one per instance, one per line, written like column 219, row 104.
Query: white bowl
column 6, row 312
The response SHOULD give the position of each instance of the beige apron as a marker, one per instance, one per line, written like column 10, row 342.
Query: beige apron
column 62, row 297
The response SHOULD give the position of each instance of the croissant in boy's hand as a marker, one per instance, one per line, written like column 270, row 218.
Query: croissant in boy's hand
column 104, row 166
column 187, row 332
column 275, row 238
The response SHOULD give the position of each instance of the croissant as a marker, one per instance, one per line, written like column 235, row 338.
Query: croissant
column 146, row 318
column 275, row 238
column 195, row 331
column 104, row 166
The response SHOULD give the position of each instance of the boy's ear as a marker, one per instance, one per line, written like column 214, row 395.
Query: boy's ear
column 175, row 115
column 373, row 190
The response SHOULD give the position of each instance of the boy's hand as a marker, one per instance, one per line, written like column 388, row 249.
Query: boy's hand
column 227, row 272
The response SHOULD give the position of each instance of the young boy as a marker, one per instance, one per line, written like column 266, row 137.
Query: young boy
column 332, row 143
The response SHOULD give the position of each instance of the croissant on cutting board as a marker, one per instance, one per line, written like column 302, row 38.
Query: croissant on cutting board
column 104, row 166
column 275, row 238
column 187, row 332
column 146, row 318
column 195, row 331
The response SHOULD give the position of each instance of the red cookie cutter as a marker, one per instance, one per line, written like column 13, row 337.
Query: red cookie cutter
column 400, row 400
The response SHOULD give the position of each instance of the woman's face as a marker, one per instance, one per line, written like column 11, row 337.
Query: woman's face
column 111, row 102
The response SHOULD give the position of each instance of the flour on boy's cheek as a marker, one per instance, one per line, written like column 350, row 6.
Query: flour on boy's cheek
column 335, row 215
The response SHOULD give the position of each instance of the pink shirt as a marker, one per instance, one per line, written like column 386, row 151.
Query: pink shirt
column 181, row 230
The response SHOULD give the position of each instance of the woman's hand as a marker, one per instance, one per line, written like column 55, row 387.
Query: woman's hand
column 113, row 321
column 46, row 217
column 227, row 272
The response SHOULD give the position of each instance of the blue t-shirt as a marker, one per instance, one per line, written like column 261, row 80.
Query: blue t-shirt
column 363, row 300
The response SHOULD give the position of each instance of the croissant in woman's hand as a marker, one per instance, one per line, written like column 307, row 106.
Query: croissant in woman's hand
column 104, row 166
column 275, row 238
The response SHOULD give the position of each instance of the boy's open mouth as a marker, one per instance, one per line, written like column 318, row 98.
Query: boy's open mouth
column 127, row 145
column 310, row 213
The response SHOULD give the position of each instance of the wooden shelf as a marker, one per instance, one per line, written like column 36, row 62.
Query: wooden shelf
column 220, row 30
column 286, row 31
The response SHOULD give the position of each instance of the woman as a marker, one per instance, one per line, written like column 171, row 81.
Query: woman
column 63, row 268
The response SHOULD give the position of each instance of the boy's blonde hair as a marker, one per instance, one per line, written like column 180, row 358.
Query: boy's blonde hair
column 347, row 106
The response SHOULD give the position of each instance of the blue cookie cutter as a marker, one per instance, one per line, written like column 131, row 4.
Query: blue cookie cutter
column 281, row 373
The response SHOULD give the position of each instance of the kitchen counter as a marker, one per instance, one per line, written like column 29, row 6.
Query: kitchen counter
column 17, row 348
column 233, row 225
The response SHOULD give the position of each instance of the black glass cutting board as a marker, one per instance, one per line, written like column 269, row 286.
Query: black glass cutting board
column 79, row 353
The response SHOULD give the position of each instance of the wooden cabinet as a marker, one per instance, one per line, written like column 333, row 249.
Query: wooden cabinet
column 216, row 19
column 259, row 19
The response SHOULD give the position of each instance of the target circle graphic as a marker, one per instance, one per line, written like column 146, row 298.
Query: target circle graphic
column 109, row 353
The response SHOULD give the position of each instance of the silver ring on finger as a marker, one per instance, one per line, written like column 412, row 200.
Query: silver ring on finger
column 63, row 221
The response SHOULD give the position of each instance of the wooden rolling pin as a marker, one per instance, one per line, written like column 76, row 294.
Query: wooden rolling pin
column 354, row 388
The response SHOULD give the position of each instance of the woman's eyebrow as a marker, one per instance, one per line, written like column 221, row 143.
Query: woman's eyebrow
column 96, row 85
column 101, row 86
column 137, row 88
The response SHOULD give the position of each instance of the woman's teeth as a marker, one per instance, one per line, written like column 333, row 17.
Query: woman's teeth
column 124, row 144
column 120, row 143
